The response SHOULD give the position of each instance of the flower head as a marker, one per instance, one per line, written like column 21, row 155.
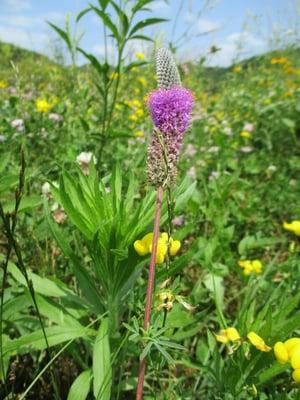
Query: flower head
column 43, row 106
column 258, row 342
column 251, row 266
column 144, row 246
column 228, row 335
column 294, row 227
column 171, row 109
column 140, row 56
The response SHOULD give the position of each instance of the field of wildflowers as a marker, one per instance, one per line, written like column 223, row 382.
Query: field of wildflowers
column 150, row 224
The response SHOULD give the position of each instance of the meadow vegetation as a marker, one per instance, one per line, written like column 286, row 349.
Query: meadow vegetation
column 77, row 210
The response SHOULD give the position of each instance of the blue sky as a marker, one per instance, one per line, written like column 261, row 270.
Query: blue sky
column 240, row 28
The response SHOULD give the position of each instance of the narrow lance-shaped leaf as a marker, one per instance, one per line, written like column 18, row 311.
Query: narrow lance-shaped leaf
column 146, row 22
column 102, row 370
column 63, row 34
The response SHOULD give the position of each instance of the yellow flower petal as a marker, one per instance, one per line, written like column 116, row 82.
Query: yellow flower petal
column 147, row 241
column 222, row 337
column 281, row 353
column 258, row 342
column 257, row 266
column 296, row 375
column 295, row 357
column 140, row 248
column 175, row 247
column 232, row 334
column 290, row 344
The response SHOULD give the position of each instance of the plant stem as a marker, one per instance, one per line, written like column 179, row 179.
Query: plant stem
column 150, row 287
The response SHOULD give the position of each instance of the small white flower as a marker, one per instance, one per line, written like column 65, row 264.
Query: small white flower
column 46, row 188
column 246, row 149
column 272, row 168
column 249, row 127
column 190, row 150
column 84, row 157
column 214, row 175
column 228, row 131
column 213, row 149
column 18, row 124
column 55, row 117
column 192, row 173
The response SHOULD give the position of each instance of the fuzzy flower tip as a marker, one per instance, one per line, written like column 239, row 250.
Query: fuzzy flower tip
column 171, row 109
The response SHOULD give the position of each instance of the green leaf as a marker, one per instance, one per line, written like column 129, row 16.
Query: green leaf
column 94, row 61
column 81, row 386
column 26, row 204
column 7, row 181
column 63, row 34
column 141, row 37
column 102, row 370
column 84, row 279
column 4, row 161
column 133, row 65
column 140, row 4
column 107, row 22
column 35, row 340
column 82, row 13
column 146, row 22
column 103, row 4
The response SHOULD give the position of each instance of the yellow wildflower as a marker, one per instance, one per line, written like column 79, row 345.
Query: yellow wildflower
column 251, row 266
column 237, row 69
column 141, row 80
column 140, row 112
column 294, row 227
column 133, row 117
column 296, row 375
column 43, row 106
column 281, row 353
column 139, row 134
column 135, row 103
column 3, row 85
column 258, row 342
column 140, row 56
column 245, row 134
column 228, row 335
column 279, row 60
column 144, row 246
column 114, row 75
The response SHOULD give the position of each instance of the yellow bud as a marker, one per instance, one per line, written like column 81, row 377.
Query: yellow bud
column 175, row 247
column 296, row 375
column 258, row 342
column 147, row 241
column 290, row 344
column 295, row 357
column 222, row 337
column 140, row 248
column 232, row 334
column 281, row 353
column 257, row 266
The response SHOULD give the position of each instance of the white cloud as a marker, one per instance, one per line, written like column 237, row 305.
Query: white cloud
column 24, row 38
column 206, row 25
column 15, row 5
column 19, row 20
column 159, row 5
column 236, row 46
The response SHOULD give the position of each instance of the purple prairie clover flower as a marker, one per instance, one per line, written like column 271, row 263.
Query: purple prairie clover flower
column 171, row 113
column 171, row 109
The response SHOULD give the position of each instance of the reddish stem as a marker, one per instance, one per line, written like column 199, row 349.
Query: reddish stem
column 149, row 295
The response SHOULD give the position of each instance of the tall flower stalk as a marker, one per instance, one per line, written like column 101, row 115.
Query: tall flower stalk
column 170, row 107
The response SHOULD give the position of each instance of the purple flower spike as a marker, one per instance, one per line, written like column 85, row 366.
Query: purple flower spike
column 171, row 109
